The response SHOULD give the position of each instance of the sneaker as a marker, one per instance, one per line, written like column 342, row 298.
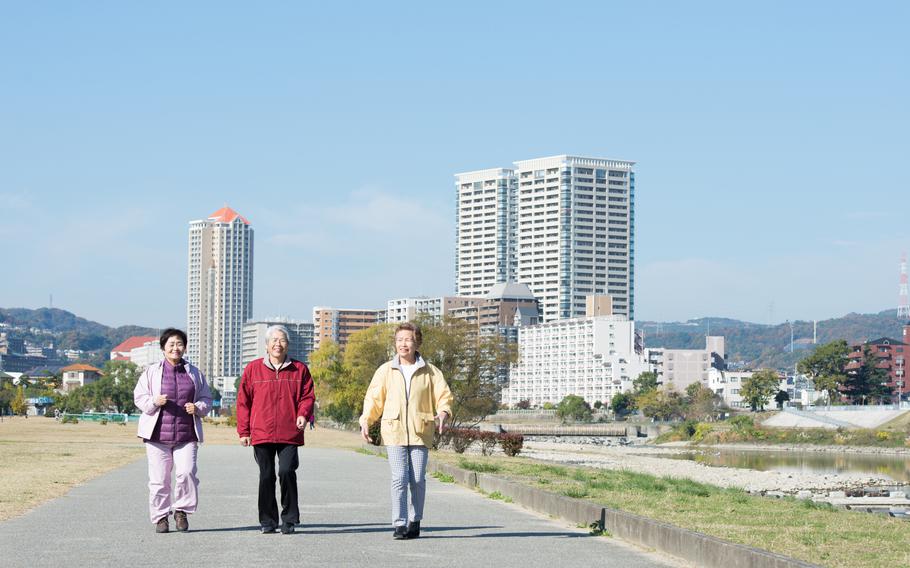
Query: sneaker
column 413, row 529
column 267, row 530
column 287, row 528
column 162, row 526
column 182, row 524
column 400, row 533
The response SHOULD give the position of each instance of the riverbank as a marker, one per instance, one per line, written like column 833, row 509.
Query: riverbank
column 646, row 459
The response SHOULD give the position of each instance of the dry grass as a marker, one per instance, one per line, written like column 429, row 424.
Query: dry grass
column 41, row 459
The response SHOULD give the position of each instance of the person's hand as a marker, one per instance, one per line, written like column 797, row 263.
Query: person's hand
column 441, row 421
column 161, row 400
column 244, row 441
column 365, row 432
column 301, row 422
column 190, row 408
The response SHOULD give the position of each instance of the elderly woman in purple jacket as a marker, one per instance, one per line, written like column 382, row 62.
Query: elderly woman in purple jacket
column 173, row 396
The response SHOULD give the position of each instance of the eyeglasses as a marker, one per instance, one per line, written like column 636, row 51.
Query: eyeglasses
column 279, row 341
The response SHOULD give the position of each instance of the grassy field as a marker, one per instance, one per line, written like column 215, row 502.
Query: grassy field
column 800, row 529
column 41, row 459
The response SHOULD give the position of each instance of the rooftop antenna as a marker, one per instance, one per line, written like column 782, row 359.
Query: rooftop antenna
column 903, row 303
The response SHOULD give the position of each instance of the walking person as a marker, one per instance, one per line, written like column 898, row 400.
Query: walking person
column 413, row 401
column 274, row 404
column 173, row 396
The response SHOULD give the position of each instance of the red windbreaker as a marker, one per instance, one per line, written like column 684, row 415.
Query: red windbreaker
column 269, row 402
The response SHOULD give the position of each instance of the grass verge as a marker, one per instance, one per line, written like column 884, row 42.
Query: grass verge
column 815, row 533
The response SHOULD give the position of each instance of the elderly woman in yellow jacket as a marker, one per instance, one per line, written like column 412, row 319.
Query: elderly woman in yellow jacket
column 413, row 400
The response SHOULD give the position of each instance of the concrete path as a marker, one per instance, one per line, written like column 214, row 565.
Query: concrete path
column 344, row 505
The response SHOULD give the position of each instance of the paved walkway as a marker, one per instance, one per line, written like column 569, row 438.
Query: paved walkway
column 344, row 505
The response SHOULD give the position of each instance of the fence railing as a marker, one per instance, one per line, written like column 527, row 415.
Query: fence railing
column 99, row 416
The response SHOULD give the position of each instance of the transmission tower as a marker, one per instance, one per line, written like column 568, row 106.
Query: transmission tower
column 903, row 301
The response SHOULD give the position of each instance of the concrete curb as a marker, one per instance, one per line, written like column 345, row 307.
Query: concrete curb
column 695, row 547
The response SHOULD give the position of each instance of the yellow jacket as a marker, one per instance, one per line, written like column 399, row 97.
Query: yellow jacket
column 406, row 420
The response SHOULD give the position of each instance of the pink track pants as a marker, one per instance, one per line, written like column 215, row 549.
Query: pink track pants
column 163, row 458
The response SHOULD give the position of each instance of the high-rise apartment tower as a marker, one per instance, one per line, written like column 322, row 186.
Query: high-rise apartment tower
column 219, row 291
column 563, row 225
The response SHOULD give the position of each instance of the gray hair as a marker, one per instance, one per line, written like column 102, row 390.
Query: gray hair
column 272, row 329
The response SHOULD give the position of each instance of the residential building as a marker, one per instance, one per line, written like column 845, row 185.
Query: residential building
column 507, row 307
column 79, row 375
column 682, row 367
column 122, row 351
column 337, row 324
column 300, row 340
column 590, row 357
column 406, row 309
column 485, row 216
column 563, row 225
column 891, row 356
column 219, row 291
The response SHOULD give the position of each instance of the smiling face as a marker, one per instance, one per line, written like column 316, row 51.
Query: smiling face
column 406, row 345
column 277, row 346
column 174, row 348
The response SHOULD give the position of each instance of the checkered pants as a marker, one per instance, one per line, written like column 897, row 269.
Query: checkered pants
column 409, row 468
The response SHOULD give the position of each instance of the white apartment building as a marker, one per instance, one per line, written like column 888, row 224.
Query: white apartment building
column 406, row 309
column 594, row 358
column 563, row 225
column 484, row 230
column 219, row 291
column 300, row 340
column 147, row 354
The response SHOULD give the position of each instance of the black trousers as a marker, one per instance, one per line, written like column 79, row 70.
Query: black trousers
column 287, row 475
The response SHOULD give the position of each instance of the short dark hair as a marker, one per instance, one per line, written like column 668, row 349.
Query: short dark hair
column 170, row 332
column 408, row 326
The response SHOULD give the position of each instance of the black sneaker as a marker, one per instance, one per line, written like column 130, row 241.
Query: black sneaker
column 413, row 530
column 162, row 526
column 267, row 530
column 400, row 533
column 287, row 528
column 182, row 524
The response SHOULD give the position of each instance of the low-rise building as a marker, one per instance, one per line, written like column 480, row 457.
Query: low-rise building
column 122, row 351
column 79, row 375
column 682, row 367
column 891, row 356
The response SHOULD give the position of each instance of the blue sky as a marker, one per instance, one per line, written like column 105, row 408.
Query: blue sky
column 771, row 140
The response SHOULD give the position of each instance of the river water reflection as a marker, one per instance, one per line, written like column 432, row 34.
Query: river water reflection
column 895, row 467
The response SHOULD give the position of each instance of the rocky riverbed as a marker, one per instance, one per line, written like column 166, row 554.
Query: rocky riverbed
column 633, row 456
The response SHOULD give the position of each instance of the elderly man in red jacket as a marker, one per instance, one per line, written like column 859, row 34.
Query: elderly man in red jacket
column 274, row 403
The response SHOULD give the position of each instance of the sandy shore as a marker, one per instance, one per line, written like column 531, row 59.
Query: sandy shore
column 644, row 459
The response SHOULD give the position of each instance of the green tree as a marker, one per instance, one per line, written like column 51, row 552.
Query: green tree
column 758, row 389
column 825, row 366
column 781, row 397
column 19, row 404
column 869, row 382
column 622, row 404
column 644, row 382
column 331, row 380
column 660, row 404
column 573, row 407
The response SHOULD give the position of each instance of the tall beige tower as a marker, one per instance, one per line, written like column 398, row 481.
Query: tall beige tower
column 219, row 291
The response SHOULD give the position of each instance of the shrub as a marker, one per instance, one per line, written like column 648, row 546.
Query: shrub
column 701, row 430
column 462, row 438
column 882, row 436
column 487, row 441
column 69, row 419
column 511, row 444
column 742, row 424
column 103, row 421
